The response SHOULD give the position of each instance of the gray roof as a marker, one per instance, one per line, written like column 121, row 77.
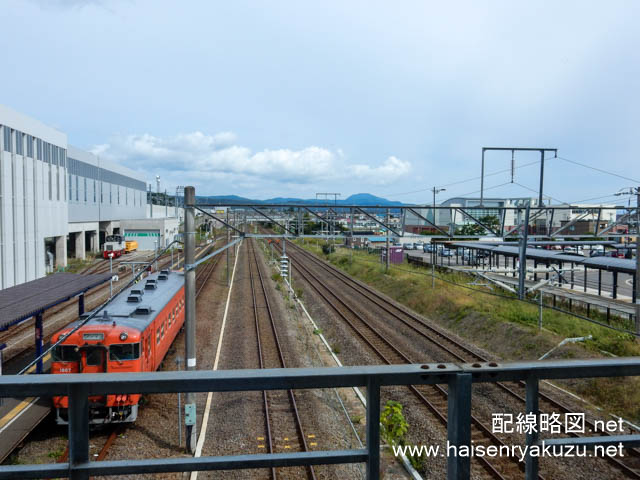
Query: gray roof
column 123, row 312
column 28, row 299
column 611, row 264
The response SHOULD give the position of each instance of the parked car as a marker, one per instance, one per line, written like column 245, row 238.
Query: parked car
column 428, row 248
column 407, row 246
column 418, row 246
column 445, row 252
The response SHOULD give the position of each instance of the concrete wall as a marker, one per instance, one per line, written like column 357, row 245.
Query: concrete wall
column 168, row 228
column 160, row 211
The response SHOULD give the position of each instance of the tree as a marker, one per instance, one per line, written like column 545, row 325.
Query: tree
column 473, row 229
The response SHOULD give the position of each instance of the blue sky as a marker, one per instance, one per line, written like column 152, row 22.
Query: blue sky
column 289, row 98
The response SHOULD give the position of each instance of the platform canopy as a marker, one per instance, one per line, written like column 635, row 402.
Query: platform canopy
column 28, row 299
column 611, row 264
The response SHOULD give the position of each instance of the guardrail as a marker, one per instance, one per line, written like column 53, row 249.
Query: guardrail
column 459, row 379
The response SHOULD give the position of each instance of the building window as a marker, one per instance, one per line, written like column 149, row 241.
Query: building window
column 118, row 190
column 76, row 188
column 50, row 184
column 110, row 195
column 39, row 148
column 70, row 187
column 85, row 189
column 58, row 183
column 7, row 138
column 101, row 192
column 94, row 191
column 29, row 146
column 19, row 142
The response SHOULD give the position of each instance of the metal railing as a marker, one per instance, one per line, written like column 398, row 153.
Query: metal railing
column 458, row 377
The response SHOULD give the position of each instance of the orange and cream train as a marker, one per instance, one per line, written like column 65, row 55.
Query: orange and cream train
column 132, row 334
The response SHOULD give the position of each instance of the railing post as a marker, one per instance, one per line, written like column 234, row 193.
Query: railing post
column 373, row 429
column 531, row 462
column 78, row 430
column 459, row 426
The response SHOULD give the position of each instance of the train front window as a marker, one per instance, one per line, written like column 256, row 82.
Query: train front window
column 66, row 353
column 94, row 357
column 125, row 351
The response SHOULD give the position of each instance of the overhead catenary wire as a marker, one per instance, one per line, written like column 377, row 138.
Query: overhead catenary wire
column 607, row 172
column 459, row 182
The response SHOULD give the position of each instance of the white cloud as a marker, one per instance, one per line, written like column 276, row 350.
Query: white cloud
column 219, row 158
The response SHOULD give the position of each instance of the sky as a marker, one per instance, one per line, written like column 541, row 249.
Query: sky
column 288, row 98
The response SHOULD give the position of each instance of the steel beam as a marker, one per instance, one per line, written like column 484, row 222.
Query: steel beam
column 428, row 221
column 377, row 221
column 272, row 220
column 225, row 223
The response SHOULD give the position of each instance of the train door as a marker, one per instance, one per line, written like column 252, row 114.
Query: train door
column 94, row 359
column 148, row 355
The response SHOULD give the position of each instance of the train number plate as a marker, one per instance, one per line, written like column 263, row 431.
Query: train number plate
column 93, row 336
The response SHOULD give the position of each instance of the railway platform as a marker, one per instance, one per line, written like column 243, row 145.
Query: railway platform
column 18, row 416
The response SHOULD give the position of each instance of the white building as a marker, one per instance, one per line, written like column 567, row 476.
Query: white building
column 33, row 202
column 54, row 197
column 100, row 193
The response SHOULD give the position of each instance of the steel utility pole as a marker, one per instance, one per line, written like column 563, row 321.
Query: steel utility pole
column 190, row 313
column 636, row 292
column 523, row 253
column 228, row 241
column 387, row 255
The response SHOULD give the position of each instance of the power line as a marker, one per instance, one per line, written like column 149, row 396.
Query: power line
column 497, row 172
column 599, row 170
column 536, row 191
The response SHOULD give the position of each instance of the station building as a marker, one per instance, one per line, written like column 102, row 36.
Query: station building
column 56, row 199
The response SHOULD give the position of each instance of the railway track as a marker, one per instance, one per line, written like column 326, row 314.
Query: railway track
column 433, row 397
column 457, row 352
column 93, row 298
column 284, row 431
column 202, row 278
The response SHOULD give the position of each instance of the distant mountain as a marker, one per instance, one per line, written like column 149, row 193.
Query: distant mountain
column 368, row 199
column 356, row 199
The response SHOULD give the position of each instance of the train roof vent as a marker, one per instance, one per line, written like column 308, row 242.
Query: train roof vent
column 143, row 310
column 150, row 286
column 134, row 298
column 137, row 291
column 164, row 272
column 162, row 276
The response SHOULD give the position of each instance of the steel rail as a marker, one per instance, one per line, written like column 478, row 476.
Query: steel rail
column 421, row 392
column 279, row 349
column 204, row 274
column 381, row 302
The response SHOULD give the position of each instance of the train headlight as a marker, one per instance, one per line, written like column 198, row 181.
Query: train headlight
column 123, row 336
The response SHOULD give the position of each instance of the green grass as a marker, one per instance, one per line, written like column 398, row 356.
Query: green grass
column 506, row 327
